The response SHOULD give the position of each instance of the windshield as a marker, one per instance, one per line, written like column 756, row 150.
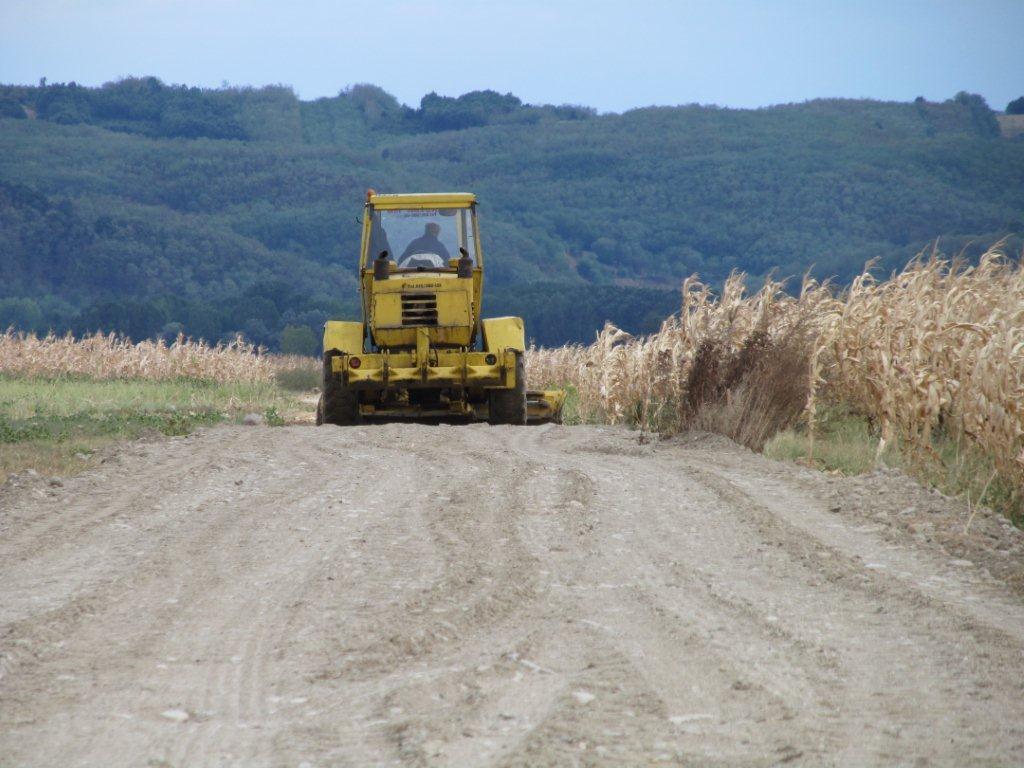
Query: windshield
column 425, row 238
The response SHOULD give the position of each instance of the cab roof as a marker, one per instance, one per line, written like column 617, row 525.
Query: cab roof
column 424, row 200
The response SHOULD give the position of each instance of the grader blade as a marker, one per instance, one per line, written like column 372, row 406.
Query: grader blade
column 544, row 406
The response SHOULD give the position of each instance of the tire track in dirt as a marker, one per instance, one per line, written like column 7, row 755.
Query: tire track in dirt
column 804, row 527
column 642, row 614
column 417, row 595
column 727, row 591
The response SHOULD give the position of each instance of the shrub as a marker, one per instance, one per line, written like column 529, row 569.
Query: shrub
column 299, row 340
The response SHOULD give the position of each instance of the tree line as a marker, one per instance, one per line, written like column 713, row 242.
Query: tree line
column 153, row 209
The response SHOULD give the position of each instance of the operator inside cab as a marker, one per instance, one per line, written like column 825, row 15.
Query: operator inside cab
column 422, row 239
column 426, row 250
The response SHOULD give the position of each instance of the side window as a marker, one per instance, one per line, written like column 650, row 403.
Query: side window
column 467, row 228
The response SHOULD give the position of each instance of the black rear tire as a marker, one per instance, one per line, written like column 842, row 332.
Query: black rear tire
column 508, row 406
column 338, row 404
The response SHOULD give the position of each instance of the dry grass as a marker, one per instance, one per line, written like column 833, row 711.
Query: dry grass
column 938, row 347
column 107, row 357
column 750, row 394
column 655, row 381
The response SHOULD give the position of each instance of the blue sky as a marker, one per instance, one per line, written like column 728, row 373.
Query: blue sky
column 609, row 55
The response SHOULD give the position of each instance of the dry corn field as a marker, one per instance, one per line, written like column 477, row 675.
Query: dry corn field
column 105, row 357
column 940, row 343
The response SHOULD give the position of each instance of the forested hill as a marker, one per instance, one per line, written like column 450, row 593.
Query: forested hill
column 150, row 208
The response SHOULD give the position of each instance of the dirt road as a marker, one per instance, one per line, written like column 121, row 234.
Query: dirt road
column 492, row 596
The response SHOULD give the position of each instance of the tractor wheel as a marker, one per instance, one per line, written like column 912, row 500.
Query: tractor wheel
column 508, row 406
column 338, row 404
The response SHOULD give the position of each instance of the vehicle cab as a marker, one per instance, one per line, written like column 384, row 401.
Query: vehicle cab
column 421, row 267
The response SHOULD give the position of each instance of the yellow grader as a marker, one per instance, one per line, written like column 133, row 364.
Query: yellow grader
column 422, row 350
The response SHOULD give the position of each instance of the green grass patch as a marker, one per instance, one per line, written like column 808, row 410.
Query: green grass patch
column 571, row 406
column 843, row 442
column 846, row 442
column 963, row 470
column 62, row 428
column 26, row 398
column 54, row 426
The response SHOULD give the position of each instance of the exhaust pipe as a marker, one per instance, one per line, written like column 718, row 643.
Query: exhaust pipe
column 381, row 267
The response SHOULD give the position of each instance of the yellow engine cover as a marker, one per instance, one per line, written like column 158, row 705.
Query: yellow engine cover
column 440, row 302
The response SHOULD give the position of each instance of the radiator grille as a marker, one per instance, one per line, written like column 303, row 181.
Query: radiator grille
column 419, row 309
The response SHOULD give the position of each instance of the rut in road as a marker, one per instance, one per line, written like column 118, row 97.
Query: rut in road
column 439, row 595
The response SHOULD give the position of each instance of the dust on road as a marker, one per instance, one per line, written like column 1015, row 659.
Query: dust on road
column 425, row 595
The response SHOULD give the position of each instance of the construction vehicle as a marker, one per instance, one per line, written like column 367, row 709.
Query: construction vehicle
column 422, row 350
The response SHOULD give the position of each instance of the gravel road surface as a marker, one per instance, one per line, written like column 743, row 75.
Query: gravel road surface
column 496, row 596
